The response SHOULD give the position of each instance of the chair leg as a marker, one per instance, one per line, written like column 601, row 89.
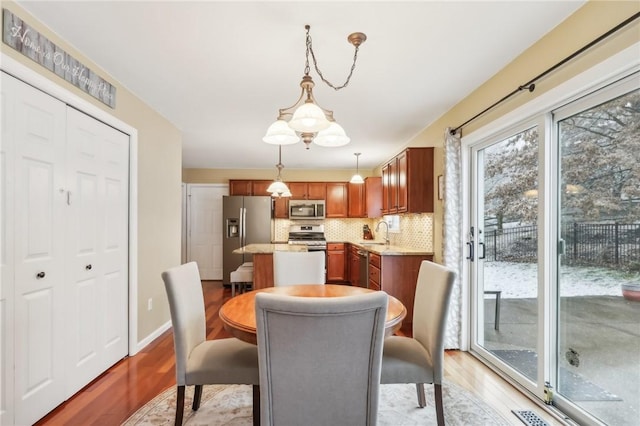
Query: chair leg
column 197, row 396
column 422, row 400
column 256, row 405
column 179, row 406
column 437, row 391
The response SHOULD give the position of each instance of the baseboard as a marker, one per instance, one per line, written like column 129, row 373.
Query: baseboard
column 153, row 336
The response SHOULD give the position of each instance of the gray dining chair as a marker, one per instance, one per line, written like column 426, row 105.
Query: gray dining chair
column 320, row 358
column 420, row 359
column 291, row 268
column 199, row 361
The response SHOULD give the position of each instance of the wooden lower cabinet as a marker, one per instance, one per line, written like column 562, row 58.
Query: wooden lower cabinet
column 336, row 263
column 397, row 275
column 354, row 266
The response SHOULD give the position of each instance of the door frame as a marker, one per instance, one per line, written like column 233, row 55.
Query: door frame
column 39, row 81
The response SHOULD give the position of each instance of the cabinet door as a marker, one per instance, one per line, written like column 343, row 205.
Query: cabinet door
column 386, row 188
column 281, row 208
column 317, row 190
column 393, row 186
column 336, row 263
column 259, row 187
column 240, row 187
column 298, row 190
column 354, row 267
column 337, row 201
column 401, row 176
column 373, row 197
column 356, row 196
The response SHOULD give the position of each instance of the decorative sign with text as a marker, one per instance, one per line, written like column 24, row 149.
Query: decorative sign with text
column 32, row 44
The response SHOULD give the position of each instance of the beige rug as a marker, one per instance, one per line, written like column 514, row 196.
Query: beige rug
column 232, row 405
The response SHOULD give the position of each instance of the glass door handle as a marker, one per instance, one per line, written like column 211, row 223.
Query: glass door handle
column 482, row 250
column 470, row 245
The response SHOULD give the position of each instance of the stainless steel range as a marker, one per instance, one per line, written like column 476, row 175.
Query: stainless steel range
column 310, row 235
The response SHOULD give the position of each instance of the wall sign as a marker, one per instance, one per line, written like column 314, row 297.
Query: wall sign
column 32, row 44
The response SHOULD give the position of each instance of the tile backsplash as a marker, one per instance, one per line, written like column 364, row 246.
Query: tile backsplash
column 416, row 230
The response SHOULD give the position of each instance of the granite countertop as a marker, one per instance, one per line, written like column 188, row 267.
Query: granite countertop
column 269, row 248
column 379, row 247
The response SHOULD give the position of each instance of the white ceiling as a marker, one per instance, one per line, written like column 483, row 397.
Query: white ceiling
column 219, row 70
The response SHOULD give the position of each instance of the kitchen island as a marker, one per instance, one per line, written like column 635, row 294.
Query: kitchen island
column 263, row 260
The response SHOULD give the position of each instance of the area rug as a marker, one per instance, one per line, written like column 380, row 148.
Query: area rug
column 232, row 405
column 574, row 386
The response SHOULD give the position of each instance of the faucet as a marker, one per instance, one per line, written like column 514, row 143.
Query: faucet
column 386, row 236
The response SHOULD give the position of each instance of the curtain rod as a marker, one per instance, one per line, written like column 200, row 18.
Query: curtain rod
column 530, row 85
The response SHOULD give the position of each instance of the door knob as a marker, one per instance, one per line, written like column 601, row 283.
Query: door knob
column 88, row 267
column 40, row 275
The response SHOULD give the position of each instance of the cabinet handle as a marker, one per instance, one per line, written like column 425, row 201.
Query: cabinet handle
column 88, row 267
column 40, row 275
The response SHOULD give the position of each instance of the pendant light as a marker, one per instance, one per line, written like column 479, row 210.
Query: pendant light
column 357, row 178
column 306, row 120
column 278, row 188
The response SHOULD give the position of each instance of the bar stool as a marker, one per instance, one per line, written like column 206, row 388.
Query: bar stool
column 242, row 277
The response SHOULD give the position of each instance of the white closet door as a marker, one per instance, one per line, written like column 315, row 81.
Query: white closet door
column 204, row 228
column 6, row 251
column 39, row 295
column 97, row 247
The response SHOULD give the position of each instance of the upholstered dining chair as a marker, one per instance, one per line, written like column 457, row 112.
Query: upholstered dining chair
column 420, row 359
column 320, row 358
column 291, row 268
column 199, row 361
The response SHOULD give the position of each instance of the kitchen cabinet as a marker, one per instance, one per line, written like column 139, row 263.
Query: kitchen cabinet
column 397, row 275
column 354, row 266
column 365, row 200
column 336, row 263
column 308, row 190
column 407, row 182
column 249, row 187
column 337, row 199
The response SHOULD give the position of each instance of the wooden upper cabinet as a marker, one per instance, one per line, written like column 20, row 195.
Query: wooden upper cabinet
column 308, row 190
column 337, row 199
column 240, row 187
column 281, row 208
column 373, row 196
column 260, row 187
column 357, row 200
column 407, row 182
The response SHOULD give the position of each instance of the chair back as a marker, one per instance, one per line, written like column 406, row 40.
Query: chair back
column 290, row 268
column 320, row 358
column 186, row 303
column 430, row 310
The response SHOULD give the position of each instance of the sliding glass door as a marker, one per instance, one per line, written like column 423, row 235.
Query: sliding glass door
column 553, row 253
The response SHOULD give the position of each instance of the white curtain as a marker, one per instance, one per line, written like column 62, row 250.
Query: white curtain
column 452, row 234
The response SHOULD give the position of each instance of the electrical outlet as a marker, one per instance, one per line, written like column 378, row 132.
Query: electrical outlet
column 150, row 304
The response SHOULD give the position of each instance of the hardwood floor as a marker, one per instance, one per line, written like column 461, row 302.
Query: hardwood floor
column 124, row 388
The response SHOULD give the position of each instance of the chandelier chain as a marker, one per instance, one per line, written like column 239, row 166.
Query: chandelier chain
column 315, row 64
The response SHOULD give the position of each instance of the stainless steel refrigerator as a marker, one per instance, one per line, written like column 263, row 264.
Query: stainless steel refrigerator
column 245, row 220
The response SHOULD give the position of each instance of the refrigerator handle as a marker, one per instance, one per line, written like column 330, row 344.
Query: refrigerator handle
column 243, row 226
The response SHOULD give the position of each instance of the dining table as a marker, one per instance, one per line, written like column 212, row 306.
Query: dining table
column 239, row 317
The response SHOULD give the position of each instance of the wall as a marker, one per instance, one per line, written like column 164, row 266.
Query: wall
column 159, row 208
column 288, row 175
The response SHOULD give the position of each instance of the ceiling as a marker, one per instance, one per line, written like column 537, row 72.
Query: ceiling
column 220, row 70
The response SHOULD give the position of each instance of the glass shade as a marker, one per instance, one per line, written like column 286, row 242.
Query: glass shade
column 309, row 118
column 356, row 179
column 332, row 136
column 279, row 133
column 278, row 187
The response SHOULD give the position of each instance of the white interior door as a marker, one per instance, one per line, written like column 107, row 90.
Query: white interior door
column 6, row 254
column 97, row 247
column 38, row 244
column 204, row 228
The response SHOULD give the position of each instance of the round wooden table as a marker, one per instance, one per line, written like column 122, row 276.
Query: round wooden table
column 239, row 317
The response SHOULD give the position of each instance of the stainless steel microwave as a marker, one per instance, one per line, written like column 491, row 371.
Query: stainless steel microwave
column 306, row 209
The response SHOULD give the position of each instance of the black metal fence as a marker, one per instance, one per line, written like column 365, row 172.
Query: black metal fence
column 593, row 244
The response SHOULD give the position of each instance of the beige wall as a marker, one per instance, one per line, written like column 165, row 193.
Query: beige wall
column 159, row 209
column 293, row 175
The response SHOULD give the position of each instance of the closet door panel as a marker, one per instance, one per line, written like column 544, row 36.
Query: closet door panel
column 6, row 248
column 97, row 241
column 40, row 199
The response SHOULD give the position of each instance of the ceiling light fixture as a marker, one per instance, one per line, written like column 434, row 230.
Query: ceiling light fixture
column 278, row 188
column 305, row 119
column 357, row 178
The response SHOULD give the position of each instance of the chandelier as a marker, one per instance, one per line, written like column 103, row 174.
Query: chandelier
column 305, row 119
column 357, row 178
column 278, row 188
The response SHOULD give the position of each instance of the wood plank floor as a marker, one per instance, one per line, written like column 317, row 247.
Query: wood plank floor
column 128, row 385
